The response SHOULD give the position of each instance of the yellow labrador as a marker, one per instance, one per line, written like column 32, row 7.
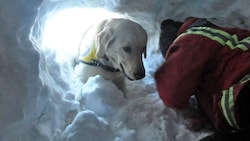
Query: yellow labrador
column 113, row 50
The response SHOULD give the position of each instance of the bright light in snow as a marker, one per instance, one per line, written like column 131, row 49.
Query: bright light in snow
column 64, row 29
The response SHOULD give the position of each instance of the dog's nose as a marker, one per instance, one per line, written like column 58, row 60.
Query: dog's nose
column 139, row 75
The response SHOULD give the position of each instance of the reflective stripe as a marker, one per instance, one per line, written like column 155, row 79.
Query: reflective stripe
column 227, row 104
column 245, row 79
column 245, row 43
column 219, row 36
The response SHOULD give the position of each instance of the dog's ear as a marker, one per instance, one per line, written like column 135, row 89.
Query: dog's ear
column 103, row 41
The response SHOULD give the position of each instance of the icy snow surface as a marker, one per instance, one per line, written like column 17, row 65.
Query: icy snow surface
column 40, row 97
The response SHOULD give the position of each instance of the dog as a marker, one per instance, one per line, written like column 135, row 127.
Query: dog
column 113, row 49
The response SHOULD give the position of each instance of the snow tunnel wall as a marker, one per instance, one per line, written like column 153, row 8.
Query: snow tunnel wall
column 34, row 99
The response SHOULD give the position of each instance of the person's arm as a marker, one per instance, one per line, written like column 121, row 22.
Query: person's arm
column 179, row 77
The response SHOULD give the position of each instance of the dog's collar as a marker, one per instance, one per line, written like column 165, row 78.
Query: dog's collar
column 99, row 64
column 90, row 58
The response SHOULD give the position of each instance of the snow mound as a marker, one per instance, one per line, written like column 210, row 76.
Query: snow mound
column 88, row 126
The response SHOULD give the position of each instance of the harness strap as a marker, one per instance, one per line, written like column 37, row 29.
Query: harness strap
column 99, row 64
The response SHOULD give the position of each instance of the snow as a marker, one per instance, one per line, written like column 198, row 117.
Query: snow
column 40, row 97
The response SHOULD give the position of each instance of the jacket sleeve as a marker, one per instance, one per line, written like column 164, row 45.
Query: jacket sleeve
column 180, row 75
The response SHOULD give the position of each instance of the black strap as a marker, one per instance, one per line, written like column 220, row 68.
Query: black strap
column 99, row 64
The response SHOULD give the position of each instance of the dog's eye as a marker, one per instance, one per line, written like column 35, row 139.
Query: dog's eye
column 127, row 49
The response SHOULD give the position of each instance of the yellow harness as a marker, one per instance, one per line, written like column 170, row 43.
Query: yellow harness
column 90, row 54
column 89, row 57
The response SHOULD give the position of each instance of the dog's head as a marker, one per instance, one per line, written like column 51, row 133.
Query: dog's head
column 122, row 42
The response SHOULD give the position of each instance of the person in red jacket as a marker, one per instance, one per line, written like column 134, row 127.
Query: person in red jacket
column 213, row 64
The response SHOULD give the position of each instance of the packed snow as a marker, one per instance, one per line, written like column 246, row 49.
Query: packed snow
column 42, row 100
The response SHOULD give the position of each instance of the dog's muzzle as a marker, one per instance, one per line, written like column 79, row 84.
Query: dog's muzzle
column 137, row 75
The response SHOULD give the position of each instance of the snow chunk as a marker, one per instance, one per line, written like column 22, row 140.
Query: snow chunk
column 101, row 96
column 88, row 126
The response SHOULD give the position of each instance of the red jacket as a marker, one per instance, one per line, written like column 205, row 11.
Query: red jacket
column 197, row 65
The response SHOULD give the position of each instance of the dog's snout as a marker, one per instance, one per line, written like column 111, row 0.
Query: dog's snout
column 139, row 75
